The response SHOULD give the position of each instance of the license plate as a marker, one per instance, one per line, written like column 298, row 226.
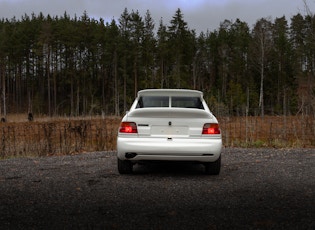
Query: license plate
column 169, row 130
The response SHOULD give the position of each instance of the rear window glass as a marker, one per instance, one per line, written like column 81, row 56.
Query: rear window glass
column 163, row 101
column 187, row 102
column 153, row 101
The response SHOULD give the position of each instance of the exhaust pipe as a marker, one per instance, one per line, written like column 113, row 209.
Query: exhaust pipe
column 130, row 155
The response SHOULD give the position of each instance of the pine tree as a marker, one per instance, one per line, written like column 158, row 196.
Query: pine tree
column 181, row 45
column 149, row 52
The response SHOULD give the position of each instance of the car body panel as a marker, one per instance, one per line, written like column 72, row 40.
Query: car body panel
column 171, row 148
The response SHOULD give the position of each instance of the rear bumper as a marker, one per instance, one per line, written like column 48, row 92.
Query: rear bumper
column 181, row 149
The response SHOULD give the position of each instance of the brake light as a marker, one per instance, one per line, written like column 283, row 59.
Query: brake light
column 128, row 127
column 210, row 129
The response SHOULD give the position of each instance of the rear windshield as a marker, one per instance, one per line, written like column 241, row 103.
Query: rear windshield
column 163, row 101
column 187, row 102
column 153, row 101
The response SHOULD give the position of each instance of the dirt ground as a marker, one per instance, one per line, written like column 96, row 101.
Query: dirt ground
column 256, row 189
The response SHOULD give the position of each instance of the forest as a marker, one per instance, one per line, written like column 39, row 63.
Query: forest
column 58, row 65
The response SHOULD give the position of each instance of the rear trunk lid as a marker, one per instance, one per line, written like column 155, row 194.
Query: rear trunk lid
column 170, row 122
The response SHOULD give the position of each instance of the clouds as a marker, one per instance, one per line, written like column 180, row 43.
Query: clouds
column 199, row 14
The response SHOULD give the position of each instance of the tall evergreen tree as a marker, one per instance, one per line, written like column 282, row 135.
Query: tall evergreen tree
column 136, row 37
column 181, row 46
column 282, row 56
column 163, row 55
column 124, row 49
column 149, row 52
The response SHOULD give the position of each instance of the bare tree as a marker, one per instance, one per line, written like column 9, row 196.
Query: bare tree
column 307, row 8
column 263, row 44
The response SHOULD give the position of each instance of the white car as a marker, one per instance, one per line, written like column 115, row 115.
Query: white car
column 169, row 125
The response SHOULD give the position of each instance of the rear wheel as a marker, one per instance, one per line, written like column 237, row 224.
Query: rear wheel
column 213, row 168
column 124, row 167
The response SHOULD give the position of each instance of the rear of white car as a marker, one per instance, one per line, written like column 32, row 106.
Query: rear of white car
column 169, row 125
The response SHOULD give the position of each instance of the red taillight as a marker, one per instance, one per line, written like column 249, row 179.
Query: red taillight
column 128, row 127
column 209, row 129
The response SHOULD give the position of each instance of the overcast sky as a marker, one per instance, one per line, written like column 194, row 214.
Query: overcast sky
column 201, row 15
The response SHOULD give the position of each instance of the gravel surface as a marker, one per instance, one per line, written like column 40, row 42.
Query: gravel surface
column 256, row 189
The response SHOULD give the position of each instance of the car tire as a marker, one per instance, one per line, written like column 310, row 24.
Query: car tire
column 124, row 167
column 213, row 168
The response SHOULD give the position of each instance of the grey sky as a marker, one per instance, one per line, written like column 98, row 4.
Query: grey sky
column 200, row 15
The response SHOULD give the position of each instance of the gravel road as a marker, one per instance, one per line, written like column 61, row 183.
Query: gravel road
column 257, row 189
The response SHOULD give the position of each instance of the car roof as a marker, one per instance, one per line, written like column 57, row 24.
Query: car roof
column 170, row 92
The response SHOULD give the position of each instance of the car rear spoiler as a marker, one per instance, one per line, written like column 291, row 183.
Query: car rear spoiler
column 170, row 112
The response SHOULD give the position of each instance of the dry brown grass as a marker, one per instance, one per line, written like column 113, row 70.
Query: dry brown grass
column 60, row 136
column 270, row 131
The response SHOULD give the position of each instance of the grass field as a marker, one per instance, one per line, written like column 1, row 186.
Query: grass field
column 63, row 135
column 270, row 131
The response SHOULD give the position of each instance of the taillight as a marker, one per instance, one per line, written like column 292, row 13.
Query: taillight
column 128, row 127
column 210, row 128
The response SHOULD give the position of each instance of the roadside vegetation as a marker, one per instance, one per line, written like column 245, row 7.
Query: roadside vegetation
column 65, row 136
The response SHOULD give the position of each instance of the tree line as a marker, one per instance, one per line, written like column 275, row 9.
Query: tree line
column 78, row 66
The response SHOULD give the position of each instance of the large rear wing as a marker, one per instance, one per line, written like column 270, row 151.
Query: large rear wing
column 169, row 113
